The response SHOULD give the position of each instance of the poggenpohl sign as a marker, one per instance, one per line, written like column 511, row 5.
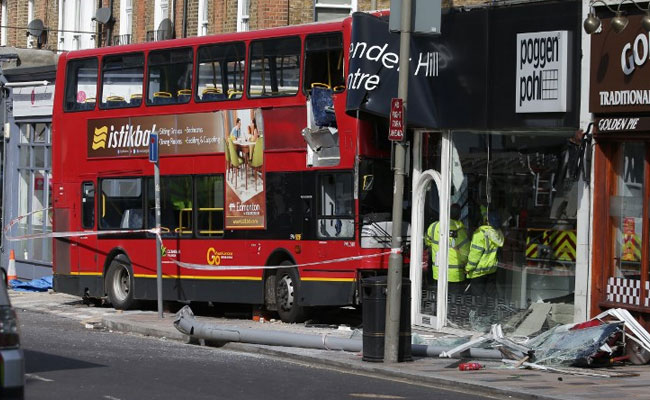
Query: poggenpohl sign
column 542, row 62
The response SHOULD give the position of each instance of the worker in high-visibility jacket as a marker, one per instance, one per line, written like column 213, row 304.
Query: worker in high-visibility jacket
column 458, row 250
column 482, row 261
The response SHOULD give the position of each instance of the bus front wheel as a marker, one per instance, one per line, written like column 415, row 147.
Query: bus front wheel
column 287, row 291
column 119, row 285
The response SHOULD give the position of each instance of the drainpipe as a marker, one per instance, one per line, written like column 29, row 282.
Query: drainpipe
column 109, row 27
column 184, row 18
column 188, row 325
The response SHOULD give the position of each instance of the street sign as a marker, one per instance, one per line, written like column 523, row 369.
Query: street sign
column 396, row 127
column 153, row 147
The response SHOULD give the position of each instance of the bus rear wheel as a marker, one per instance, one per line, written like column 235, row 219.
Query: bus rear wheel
column 287, row 292
column 119, row 285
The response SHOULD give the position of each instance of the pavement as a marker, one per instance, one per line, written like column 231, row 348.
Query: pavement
column 494, row 380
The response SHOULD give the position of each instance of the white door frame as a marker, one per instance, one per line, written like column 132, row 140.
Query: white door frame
column 421, row 183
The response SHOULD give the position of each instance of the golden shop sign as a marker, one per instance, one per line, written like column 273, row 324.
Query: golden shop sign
column 620, row 69
column 177, row 134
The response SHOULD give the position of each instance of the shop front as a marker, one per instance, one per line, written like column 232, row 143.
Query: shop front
column 499, row 213
column 620, row 100
column 27, row 168
column 497, row 228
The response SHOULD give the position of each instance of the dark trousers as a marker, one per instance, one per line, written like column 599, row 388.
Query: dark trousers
column 453, row 287
column 483, row 286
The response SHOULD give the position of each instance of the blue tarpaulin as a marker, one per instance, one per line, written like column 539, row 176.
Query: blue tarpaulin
column 35, row 285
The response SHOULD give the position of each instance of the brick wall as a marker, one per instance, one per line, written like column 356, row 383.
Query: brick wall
column 192, row 17
column 230, row 19
column 268, row 13
column 301, row 11
column 17, row 16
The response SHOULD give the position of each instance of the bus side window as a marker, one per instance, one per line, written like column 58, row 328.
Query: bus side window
column 336, row 206
column 220, row 72
column 88, row 205
column 175, row 205
column 170, row 76
column 81, row 85
column 324, row 62
column 210, row 201
column 121, row 203
column 122, row 80
column 274, row 68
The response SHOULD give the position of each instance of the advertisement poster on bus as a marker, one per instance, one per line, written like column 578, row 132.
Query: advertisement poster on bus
column 177, row 134
column 245, row 206
column 238, row 134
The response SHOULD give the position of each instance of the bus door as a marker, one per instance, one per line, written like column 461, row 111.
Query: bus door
column 87, row 245
column 335, row 212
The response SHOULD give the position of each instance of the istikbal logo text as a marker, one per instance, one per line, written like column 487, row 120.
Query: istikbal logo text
column 127, row 136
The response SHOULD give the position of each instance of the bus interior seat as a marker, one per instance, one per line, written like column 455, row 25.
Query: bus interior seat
column 234, row 94
column 184, row 95
column 136, row 99
column 115, row 102
column 322, row 104
column 88, row 104
column 132, row 219
column 162, row 98
column 212, row 94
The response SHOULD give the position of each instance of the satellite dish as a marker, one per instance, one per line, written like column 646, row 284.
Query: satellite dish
column 35, row 27
column 165, row 29
column 103, row 15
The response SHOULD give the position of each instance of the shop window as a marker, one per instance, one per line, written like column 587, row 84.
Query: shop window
column 336, row 206
column 122, row 77
column 169, row 77
column 324, row 61
column 88, row 205
column 121, row 204
column 274, row 67
column 220, row 72
column 81, row 85
column 513, row 206
column 34, row 192
column 210, row 212
column 175, row 205
column 626, row 224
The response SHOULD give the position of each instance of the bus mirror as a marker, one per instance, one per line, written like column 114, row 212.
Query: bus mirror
column 368, row 181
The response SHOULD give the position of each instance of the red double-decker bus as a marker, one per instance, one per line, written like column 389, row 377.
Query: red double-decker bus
column 264, row 177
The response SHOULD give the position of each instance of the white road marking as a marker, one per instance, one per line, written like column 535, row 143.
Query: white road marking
column 111, row 398
column 38, row 378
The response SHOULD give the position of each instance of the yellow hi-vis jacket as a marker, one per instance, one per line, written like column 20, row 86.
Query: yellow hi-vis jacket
column 482, row 258
column 458, row 249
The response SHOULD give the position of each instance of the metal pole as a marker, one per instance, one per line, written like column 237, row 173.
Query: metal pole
column 395, row 259
column 156, row 184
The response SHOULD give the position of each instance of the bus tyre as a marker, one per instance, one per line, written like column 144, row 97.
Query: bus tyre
column 287, row 293
column 119, row 285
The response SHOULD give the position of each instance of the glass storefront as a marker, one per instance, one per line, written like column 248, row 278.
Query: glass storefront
column 34, row 175
column 512, row 231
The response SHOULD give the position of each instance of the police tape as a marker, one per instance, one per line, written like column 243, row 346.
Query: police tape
column 50, row 235
column 154, row 231
column 205, row 267
column 20, row 217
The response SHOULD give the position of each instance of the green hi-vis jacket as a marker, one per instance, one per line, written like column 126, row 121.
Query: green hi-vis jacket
column 482, row 258
column 458, row 249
